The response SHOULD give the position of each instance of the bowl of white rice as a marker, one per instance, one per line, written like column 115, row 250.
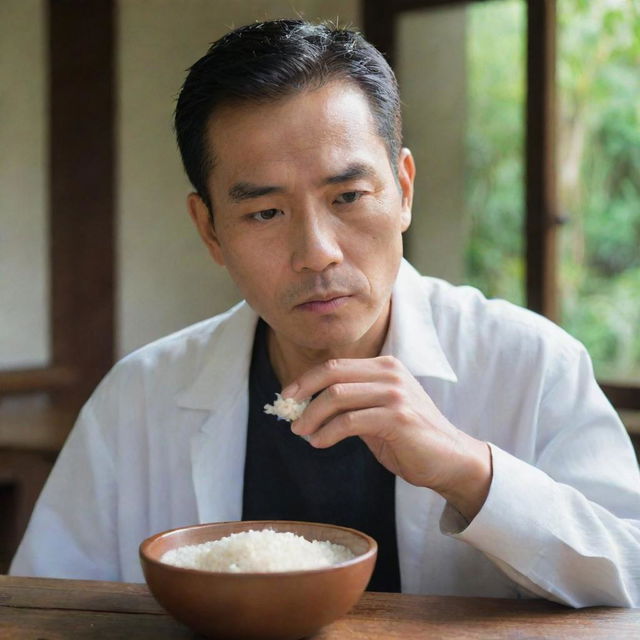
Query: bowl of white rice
column 258, row 579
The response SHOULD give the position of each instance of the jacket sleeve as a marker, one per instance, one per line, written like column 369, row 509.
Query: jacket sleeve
column 566, row 526
column 72, row 529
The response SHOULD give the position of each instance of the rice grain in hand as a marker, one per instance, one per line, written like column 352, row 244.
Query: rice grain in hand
column 286, row 408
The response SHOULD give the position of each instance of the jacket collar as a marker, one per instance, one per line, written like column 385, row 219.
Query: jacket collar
column 222, row 371
column 412, row 336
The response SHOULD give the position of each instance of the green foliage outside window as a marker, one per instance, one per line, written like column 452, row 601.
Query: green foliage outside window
column 598, row 77
column 495, row 147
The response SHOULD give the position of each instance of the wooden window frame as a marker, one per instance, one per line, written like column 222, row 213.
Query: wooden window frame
column 81, row 142
column 541, row 206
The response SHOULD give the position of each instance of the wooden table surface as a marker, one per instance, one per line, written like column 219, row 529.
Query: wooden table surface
column 45, row 609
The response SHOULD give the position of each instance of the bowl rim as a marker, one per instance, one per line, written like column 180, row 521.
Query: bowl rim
column 147, row 542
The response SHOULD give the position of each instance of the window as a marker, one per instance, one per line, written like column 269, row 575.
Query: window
column 599, row 182
column 532, row 234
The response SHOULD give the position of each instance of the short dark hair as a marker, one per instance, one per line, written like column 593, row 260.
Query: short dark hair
column 266, row 61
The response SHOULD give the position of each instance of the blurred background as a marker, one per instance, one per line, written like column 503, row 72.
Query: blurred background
column 523, row 116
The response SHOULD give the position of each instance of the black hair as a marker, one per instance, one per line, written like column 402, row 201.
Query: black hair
column 266, row 61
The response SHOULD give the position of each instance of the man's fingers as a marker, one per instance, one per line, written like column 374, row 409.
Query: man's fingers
column 337, row 399
column 373, row 421
column 343, row 370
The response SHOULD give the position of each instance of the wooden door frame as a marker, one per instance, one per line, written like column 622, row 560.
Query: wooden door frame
column 81, row 142
column 81, row 213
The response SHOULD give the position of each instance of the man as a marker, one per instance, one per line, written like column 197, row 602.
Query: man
column 468, row 436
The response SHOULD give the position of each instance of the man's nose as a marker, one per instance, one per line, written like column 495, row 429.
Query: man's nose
column 314, row 242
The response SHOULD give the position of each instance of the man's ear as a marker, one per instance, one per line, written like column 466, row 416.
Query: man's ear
column 203, row 220
column 406, row 176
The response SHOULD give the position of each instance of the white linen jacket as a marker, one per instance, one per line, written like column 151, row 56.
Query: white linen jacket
column 161, row 444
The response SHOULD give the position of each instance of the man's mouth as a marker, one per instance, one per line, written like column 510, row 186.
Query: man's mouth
column 324, row 303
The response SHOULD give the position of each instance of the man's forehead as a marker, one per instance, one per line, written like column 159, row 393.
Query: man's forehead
column 303, row 125
column 329, row 97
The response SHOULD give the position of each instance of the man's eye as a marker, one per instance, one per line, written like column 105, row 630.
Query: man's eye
column 349, row 197
column 267, row 214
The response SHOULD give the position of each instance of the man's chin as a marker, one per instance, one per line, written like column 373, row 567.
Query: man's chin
column 331, row 339
column 354, row 331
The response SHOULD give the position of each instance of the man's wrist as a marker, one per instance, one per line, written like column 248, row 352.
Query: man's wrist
column 471, row 489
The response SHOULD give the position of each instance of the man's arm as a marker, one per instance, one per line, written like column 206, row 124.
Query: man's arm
column 566, row 529
column 71, row 533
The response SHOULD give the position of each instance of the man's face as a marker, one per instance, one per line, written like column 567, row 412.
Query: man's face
column 308, row 214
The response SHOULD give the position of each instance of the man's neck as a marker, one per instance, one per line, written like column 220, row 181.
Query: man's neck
column 289, row 360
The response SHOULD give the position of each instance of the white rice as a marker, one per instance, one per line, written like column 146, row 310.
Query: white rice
column 258, row 552
column 286, row 408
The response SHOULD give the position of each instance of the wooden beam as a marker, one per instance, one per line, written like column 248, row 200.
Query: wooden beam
column 412, row 5
column 82, row 193
column 540, row 183
column 37, row 380
column 378, row 18
column 624, row 398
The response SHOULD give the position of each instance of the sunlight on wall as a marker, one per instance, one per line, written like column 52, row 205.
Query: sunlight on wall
column 24, row 336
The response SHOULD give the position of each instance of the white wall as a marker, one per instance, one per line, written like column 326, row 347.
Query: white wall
column 431, row 72
column 24, row 336
column 166, row 279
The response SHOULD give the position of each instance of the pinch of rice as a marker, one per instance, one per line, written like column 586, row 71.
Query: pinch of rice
column 286, row 408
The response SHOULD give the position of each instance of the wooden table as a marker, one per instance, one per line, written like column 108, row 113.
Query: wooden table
column 44, row 609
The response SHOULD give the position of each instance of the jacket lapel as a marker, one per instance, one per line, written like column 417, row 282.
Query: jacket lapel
column 219, row 388
column 413, row 339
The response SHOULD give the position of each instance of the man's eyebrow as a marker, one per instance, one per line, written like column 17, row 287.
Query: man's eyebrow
column 246, row 191
column 352, row 172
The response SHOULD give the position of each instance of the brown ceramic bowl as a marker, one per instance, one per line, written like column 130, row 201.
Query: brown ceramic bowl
column 285, row 605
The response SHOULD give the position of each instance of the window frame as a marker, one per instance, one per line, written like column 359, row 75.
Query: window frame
column 542, row 216
column 81, row 212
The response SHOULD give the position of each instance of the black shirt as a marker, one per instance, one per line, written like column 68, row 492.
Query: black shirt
column 285, row 478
